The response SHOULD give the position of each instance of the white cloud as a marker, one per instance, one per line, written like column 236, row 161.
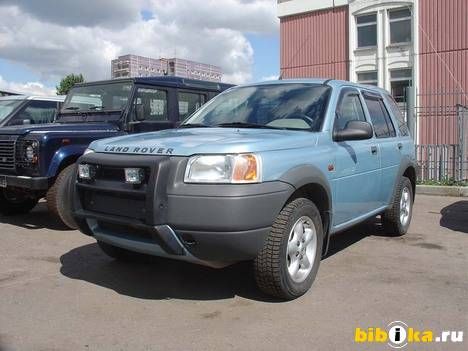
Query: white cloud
column 88, row 13
column 244, row 16
column 212, row 31
column 272, row 77
column 29, row 88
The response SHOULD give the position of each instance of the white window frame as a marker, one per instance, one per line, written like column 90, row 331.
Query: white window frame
column 367, row 24
column 409, row 78
column 401, row 19
column 368, row 81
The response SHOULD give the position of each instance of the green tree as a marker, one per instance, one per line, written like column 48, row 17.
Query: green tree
column 68, row 82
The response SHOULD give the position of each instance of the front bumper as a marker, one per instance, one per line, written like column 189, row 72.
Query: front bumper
column 29, row 183
column 208, row 224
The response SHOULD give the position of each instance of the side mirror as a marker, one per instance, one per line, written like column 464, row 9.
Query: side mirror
column 139, row 112
column 354, row 130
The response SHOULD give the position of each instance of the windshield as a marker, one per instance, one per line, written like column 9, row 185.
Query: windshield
column 282, row 106
column 7, row 106
column 99, row 97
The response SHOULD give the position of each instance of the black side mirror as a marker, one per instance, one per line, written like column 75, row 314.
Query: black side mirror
column 140, row 112
column 354, row 130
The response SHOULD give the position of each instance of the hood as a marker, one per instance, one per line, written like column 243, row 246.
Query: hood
column 186, row 142
column 56, row 127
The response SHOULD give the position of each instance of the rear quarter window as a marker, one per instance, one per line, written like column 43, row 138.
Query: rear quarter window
column 383, row 126
column 398, row 115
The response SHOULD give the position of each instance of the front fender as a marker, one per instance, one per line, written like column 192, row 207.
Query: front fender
column 63, row 154
column 308, row 174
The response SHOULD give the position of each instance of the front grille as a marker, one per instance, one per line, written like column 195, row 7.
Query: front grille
column 109, row 195
column 7, row 153
column 114, row 203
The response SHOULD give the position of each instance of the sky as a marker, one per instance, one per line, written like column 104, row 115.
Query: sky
column 42, row 41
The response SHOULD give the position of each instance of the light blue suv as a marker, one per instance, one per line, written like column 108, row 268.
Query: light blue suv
column 264, row 172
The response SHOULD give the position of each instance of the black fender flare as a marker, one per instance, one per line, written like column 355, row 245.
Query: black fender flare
column 406, row 162
column 308, row 174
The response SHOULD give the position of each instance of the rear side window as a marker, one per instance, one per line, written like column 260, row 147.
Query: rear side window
column 151, row 104
column 380, row 117
column 38, row 112
column 396, row 111
column 349, row 109
column 189, row 103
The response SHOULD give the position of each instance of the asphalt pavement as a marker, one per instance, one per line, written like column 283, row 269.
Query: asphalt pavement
column 59, row 292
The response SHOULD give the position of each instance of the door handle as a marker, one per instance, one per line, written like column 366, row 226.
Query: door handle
column 373, row 150
column 400, row 146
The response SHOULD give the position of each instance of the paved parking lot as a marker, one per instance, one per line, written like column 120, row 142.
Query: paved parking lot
column 59, row 292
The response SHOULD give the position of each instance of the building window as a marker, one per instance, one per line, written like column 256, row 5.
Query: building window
column 400, row 26
column 369, row 78
column 366, row 30
column 400, row 80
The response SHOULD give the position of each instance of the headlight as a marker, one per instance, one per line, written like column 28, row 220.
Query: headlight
column 237, row 169
column 88, row 151
column 31, row 151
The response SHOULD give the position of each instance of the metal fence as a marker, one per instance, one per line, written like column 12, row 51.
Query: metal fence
column 438, row 162
column 439, row 125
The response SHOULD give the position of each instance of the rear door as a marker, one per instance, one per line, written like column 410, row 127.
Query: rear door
column 357, row 165
column 388, row 142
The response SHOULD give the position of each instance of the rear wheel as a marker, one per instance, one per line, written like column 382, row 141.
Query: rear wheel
column 119, row 254
column 289, row 261
column 58, row 199
column 13, row 202
column 397, row 219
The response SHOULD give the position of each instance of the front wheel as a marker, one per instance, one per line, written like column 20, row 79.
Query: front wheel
column 288, row 263
column 13, row 202
column 58, row 197
column 397, row 219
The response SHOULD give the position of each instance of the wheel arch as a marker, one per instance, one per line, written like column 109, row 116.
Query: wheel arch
column 310, row 183
column 64, row 157
column 410, row 173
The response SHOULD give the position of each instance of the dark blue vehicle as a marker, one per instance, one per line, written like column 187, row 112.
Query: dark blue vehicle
column 37, row 161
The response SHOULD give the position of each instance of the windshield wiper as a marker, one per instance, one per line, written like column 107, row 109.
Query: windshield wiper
column 194, row 125
column 74, row 108
column 245, row 125
column 95, row 107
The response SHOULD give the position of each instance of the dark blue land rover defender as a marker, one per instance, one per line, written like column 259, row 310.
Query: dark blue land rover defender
column 37, row 161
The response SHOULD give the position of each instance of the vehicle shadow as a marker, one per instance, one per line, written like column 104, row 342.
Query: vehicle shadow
column 38, row 218
column 170, row 279
column 455, row 216
column 161, row 278
column 342, row 240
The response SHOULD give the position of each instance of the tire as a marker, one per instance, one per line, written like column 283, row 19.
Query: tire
column 15, row 202
column 275, row 264
column 397, row 219
column 58, row 197
column 123, row 255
